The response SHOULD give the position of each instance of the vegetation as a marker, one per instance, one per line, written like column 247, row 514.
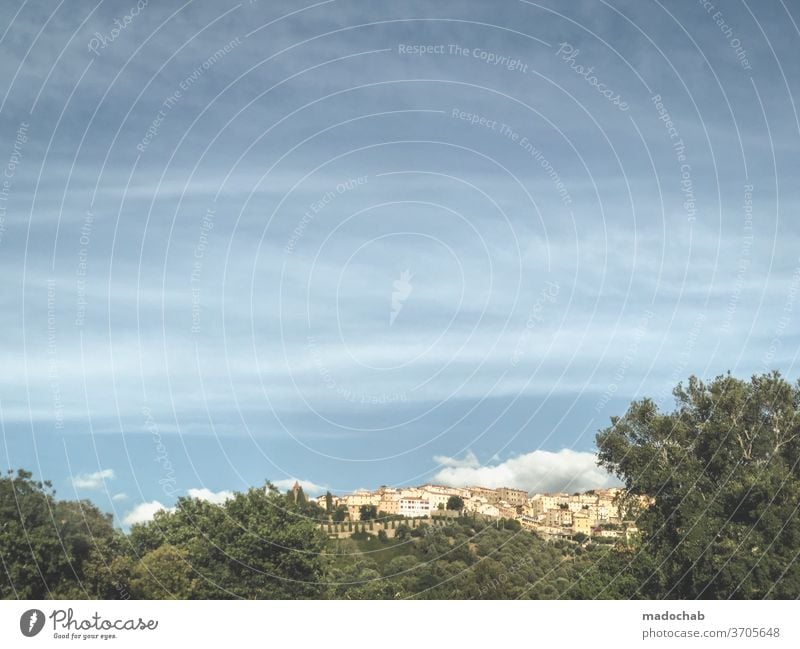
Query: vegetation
column 724, row 471
column 339, row 514
column 368, row 512
column 253, row 546
column 721, row 472
column 48, row 548
column 455, row 503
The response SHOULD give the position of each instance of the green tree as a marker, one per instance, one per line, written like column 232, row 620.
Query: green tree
column 455, row 503
column 723, row 470
column 298, row 499
column 84, row 531
column 368, row 512
column 108, row 570
column 163, row 573
column 45, row 544
column 253, row 546
column 340, row 514
column 420, row 530
column 359, row 579
column 328, row 502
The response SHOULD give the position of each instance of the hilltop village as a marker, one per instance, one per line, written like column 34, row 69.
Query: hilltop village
column 600, row 514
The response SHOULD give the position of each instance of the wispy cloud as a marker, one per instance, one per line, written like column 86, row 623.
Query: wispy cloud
column 94, row 480
column 417, row 311
column 469, row 461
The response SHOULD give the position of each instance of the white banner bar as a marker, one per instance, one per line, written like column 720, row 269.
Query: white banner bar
column 334, row 624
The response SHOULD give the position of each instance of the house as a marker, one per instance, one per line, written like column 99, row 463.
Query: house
column 489, row 510
column 506, row 510
column 413, row 507
column 513, row 496
column 541, row 503
column 389, row 502
column 490, row 495
column 558, row 517
column 581, row 524
column 436, row 498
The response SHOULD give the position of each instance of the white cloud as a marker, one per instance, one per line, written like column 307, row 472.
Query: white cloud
column 119, row 496
column 538, row 471
column 470, row 460
column 94, row 480
column 215, row 497
column 308, row 486
column 144, row 512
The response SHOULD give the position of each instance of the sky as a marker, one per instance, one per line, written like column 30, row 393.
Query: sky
column 361, row 243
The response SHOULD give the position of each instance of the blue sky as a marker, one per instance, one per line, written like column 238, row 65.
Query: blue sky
column 268, row 240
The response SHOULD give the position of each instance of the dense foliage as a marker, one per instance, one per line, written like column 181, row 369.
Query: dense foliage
column 464, row 559
column 721, row 470
column 724, row 471
column 253, row 546
column 47, row 547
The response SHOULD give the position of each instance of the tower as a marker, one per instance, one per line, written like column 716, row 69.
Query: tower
column 295, row 490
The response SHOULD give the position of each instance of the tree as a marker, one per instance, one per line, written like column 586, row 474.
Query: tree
column 368, row 512
column 359, row 579
column 723, row 472
column 108, row 569
column 258, row 545
column 455, row 503
column 253, row 546
column 163, row 573
column 328, row 502
column 44, row 543
column 340, row 514
column 420, row 530
column 84, row 532
column 29, row 548
column 296, row 496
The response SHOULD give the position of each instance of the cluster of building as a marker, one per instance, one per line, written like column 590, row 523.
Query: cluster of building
column 597, row 513
column 594, row 513
column 411, row 502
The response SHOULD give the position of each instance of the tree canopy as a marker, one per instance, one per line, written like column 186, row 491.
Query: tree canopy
column 723, row 472
column 368, row 512
column 713, row 486
column 455, row 503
